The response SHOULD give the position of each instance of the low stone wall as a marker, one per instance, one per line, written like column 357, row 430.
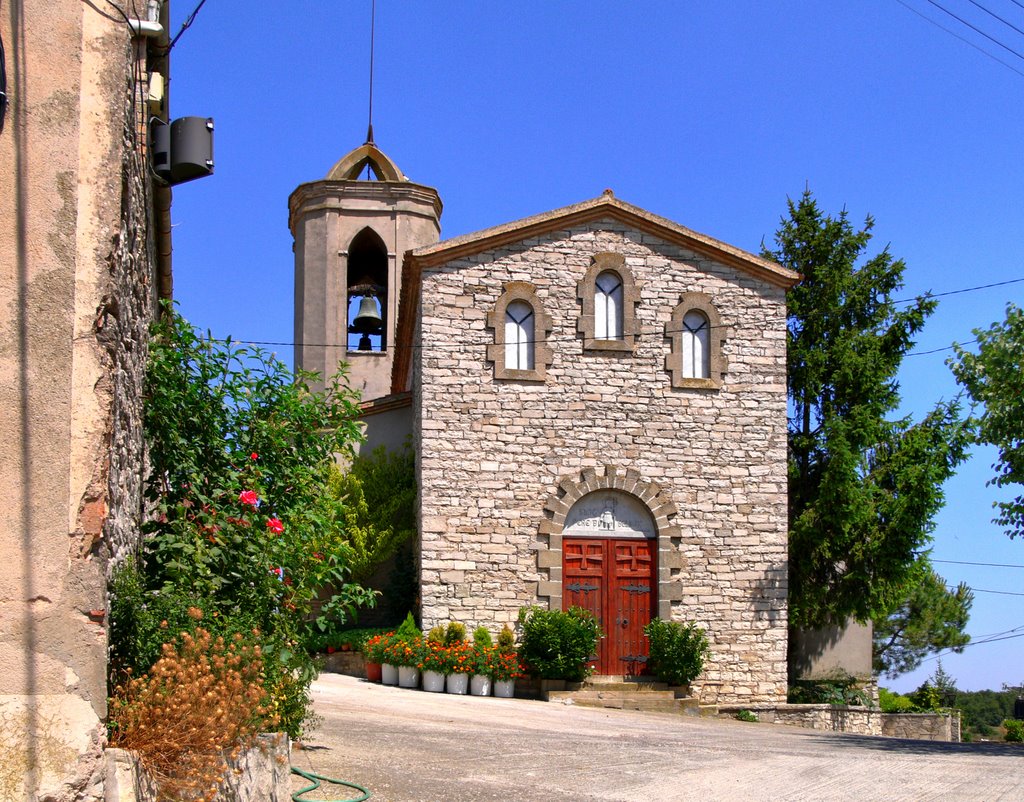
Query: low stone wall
column 260, row 774
column 351, row 664
column 831, row 718
column 857, row 720
column 923, row 726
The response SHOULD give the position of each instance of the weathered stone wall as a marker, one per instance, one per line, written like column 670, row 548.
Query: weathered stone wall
column 831, row 718
column 492, row 453
column 922, row 726
column 77, row 287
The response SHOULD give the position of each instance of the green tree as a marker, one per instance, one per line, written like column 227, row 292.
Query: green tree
column 994, row 378
column 378, row 507
column 863, row 489
column 931, row 618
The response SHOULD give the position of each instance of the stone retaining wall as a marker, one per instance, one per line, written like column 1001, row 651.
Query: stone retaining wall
column 260, row 774
column 923, row 726
column 857, row 720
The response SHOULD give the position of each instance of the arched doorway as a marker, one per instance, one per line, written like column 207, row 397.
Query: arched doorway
column 610, row 567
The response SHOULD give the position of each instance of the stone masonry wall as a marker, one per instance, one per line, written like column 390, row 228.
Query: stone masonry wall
column 492, row 453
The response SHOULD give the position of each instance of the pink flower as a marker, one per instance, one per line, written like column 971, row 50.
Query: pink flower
column 275, row 525
column 254, row 455
column 248, row 497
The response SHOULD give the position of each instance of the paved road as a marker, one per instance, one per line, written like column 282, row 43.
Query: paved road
column 411, row 745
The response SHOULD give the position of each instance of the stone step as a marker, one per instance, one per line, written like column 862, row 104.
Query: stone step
column 627, row 686
column 665, row 701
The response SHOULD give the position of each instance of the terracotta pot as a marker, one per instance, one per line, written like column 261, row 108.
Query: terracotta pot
column 373, row 672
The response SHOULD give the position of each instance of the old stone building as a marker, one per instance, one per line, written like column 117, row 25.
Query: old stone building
column 84, row 257
column 597, row 400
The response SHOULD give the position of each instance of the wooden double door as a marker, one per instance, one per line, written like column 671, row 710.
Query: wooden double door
column 616, row 579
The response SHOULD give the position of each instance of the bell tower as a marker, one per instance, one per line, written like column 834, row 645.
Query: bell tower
column 350, row 236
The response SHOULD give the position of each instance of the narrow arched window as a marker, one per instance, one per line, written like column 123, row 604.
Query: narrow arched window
column 519, row 327
column 608, row 306
column 696, row 346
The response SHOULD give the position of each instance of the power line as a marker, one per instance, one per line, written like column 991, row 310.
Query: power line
column 976, row 29
column 993, row 14
column 992, row 565
column 186, row 25
column 928, row 295
column 966, row 41
column 982, row 590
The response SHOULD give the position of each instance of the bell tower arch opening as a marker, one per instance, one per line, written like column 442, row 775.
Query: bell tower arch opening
column 367, row 292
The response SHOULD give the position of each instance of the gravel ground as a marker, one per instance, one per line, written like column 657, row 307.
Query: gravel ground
column 410, row 745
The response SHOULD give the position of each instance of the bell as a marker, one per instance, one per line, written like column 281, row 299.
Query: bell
column 367, row 319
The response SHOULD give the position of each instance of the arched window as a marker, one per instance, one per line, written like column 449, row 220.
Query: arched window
column 696, row 346
column 608, row 306
column 519, row 327
column 608, row 296
column 367, row 292
column 697, row 335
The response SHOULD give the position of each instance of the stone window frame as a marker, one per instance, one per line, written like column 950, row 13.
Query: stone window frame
column 542, row 354
column 696, row 302
column 658, row 501
column 585, row 290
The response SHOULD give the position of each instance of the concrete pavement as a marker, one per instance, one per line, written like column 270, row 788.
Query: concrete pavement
column 411, row 745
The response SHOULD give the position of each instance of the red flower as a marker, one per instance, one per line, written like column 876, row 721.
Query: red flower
column 275, row 525
column 248, row 497
column 330, row 650
column 316, row 554
column 254, row 455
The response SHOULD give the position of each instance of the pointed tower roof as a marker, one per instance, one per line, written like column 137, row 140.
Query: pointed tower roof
column 366, row 155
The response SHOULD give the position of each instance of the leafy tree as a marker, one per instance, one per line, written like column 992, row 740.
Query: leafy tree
column 994, row 377
column 244, row 534
column 863, row 489
column 378, row 507
column 931, row 618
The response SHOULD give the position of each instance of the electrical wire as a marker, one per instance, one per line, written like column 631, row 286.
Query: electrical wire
column 992, row 565
column 977, row 30
column 993, row 14
column 928, row 295
column 966, row 41
column 185, row 26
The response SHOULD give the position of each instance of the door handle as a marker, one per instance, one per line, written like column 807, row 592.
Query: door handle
column 625, row 623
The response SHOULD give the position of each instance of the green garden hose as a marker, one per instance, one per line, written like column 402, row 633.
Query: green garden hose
column 316, row 778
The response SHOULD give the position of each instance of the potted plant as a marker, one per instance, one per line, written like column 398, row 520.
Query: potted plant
column 558, row 645
column 460, row 666
column 373, row 655
column 434, row 661
column 480, row 683
column 504, row 666
column 403, row 652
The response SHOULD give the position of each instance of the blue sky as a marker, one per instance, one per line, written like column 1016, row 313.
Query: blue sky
column 711, row 114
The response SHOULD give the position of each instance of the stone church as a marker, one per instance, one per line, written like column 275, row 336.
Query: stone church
column 596, row 396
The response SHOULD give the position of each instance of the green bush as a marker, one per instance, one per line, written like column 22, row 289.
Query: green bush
column 1014, row 730
column 841, row 689
column 556, row 644
column 677, row 651
column 436, row 634
column 482, row 638
column 506, row 638
column 455, row 634
column 352, row 638
column 890, row 702
column 746, row 715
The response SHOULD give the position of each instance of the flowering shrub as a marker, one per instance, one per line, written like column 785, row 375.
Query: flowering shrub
column 404, row 652
column 375, row 646
column 434, row 657
column 202, row 699
column 461, row 659
column 503, row 665
column 244, row 529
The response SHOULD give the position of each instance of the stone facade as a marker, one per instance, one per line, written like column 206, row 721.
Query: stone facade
column 923, row 726
column 709, row 461
column 84, row 254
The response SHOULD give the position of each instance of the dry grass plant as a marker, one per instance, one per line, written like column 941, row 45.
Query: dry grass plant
column 197, row 707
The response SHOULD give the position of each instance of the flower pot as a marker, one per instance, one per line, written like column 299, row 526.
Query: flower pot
column 373, row 672
column 433, row 681
column 457, row 683
column 408, row 677
column 389, row 674
column 480, row 685
column 505, row 688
